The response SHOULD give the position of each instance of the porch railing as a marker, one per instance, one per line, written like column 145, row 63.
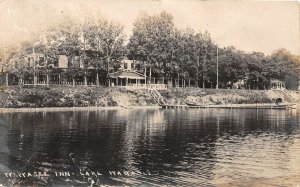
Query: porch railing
column 144, row 86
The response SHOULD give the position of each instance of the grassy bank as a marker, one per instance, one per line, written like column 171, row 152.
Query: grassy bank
column 213, row 96
column 80, row 96
column 68, row 96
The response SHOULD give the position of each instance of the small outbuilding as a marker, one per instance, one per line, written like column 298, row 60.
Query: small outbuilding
column 277, row 84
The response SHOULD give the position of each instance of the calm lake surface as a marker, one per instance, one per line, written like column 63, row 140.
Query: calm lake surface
column 183, row 147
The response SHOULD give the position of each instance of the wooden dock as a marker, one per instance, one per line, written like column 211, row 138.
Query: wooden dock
column 238, row 106
column 174, row 106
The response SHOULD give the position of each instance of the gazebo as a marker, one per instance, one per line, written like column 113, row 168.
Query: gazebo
column 277, row 84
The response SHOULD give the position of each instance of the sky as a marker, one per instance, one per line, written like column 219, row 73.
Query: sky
column 262, row 26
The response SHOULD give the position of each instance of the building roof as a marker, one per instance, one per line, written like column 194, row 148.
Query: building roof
column 127, row 74
column 276, row 81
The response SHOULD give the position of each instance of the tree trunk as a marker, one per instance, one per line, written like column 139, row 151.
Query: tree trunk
column 178, row 82
column 150, row 74
column 107, row 70
column 20, row 82
column 97, row 79
column 203, row 83
column 198, row 65
column 85, row 79
column 34, row 80
column 6, row 79
column 47, row 80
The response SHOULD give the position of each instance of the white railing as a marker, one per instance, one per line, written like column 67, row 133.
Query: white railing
column 144, row 86
column 136, row 86
column 157, row 86
column 132, row 86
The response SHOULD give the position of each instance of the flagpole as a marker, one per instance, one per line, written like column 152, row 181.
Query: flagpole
column 217, row 86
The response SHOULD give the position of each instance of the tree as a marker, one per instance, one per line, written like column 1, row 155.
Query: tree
column 110, row 37
column 106, row 40
column 153, row 42
column 285, row 66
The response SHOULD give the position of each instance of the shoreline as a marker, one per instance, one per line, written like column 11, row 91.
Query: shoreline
column 58, row 109
column 94, row 108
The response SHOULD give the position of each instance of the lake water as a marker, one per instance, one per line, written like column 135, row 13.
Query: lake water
column 184, row 147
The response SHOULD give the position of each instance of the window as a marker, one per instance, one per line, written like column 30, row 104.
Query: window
column 55, row 63
column 28, row 61
column 41, row 61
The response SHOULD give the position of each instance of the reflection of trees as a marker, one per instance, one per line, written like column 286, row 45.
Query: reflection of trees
column 190, row 140
column 177, row 146
column 261, row 151
column 186, row 143
column 49, row 138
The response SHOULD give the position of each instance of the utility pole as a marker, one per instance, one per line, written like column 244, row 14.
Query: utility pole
column 204, row 67
column 217, row 86
column 4, row 62
column 34, row 66
column 298, row 78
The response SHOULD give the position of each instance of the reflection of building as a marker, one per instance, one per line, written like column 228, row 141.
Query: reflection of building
column 277, row 84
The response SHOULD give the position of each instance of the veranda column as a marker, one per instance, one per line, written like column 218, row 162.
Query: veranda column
column 97, row 79
column 47, row 79
column 34, row 79
column 6, row 79
column 85, row 79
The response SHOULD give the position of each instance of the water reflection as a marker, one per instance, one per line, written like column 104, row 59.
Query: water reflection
column 177, row 147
